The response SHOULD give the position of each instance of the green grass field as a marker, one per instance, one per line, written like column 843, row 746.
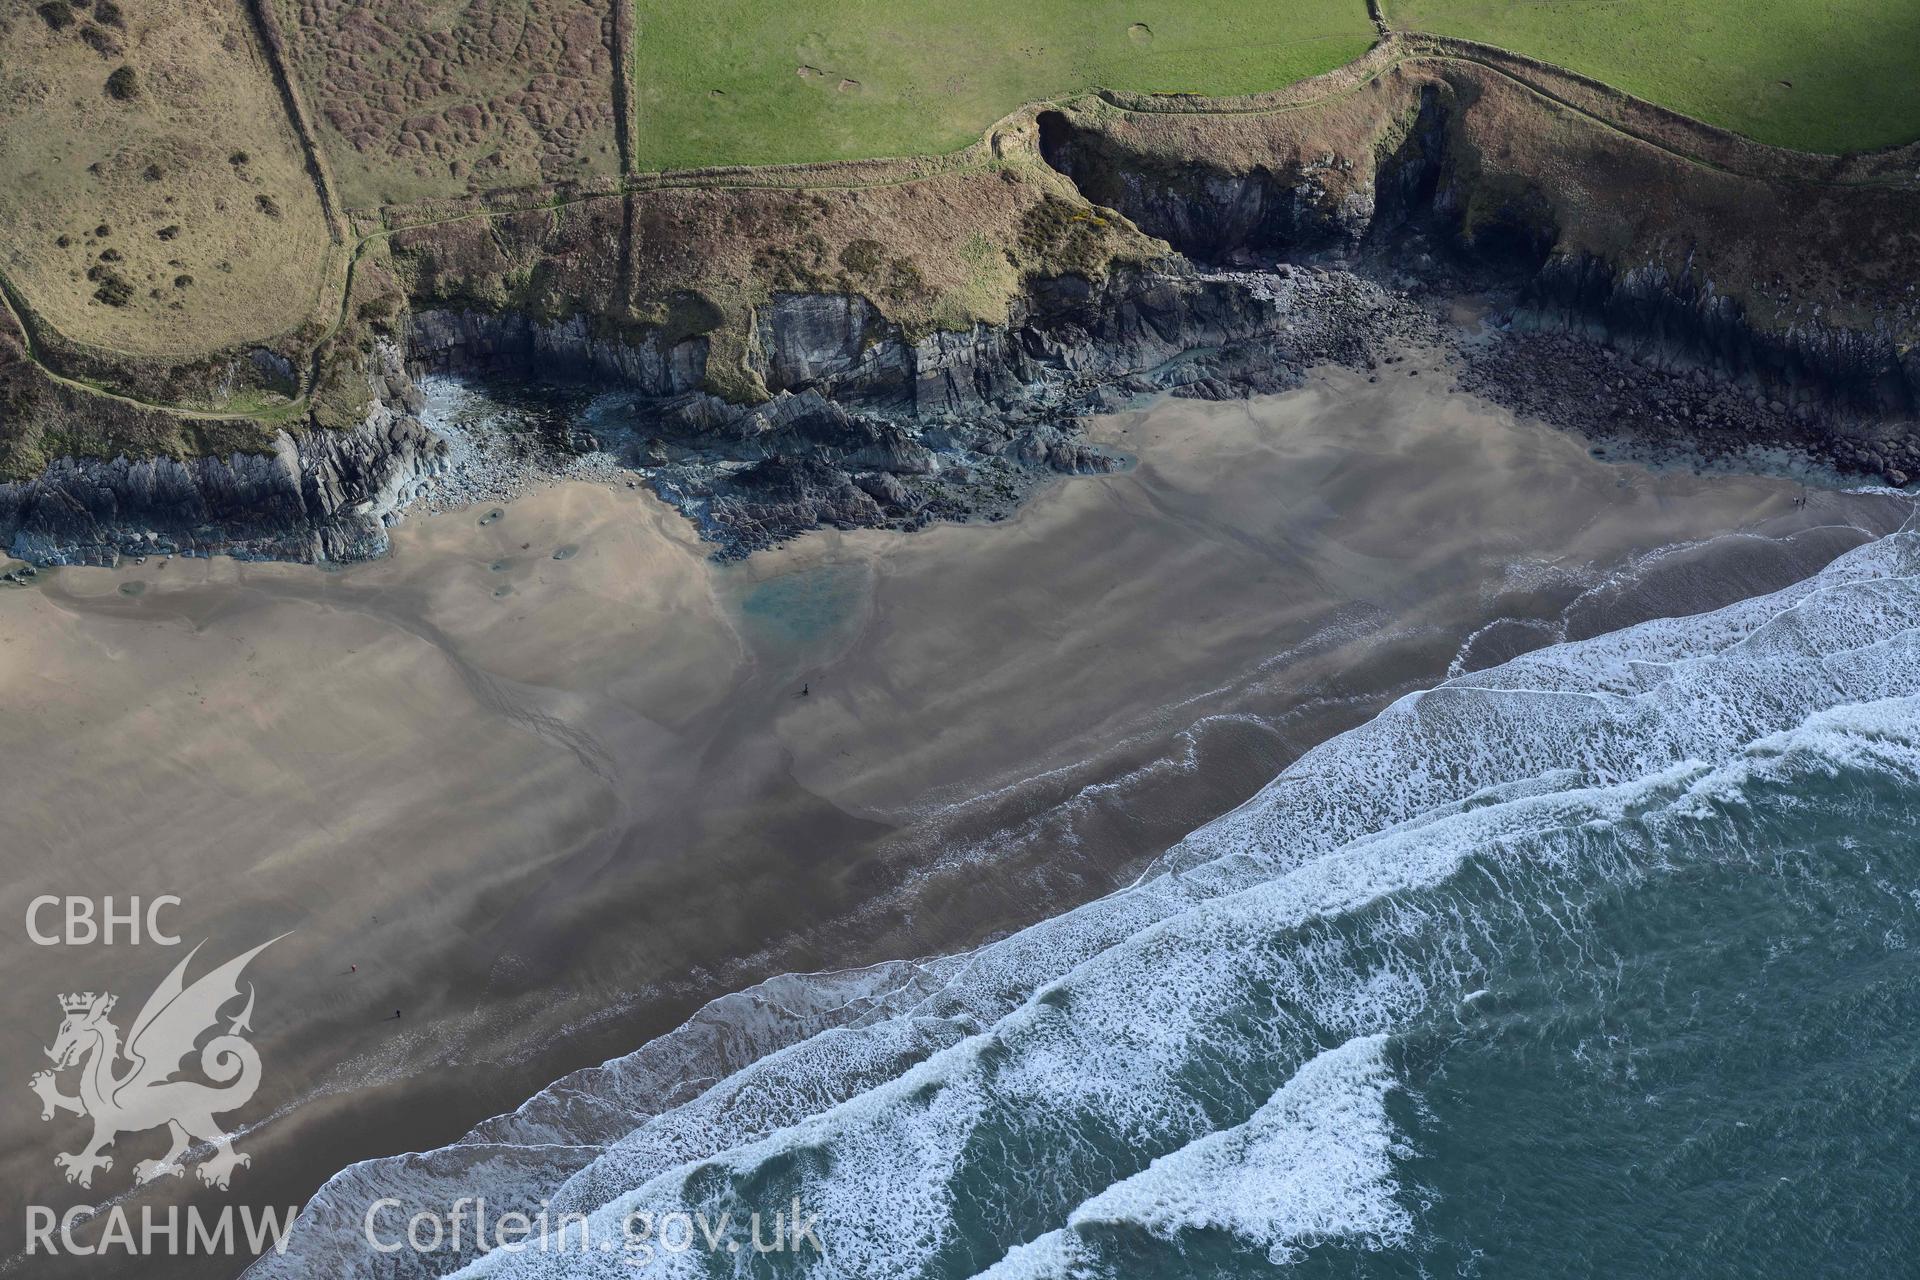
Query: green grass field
column 1817, row 75
column 780, row 81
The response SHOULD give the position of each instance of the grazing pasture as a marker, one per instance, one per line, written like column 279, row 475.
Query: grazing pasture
column 780, row 81
column 420, row 98
column 155, row 200
column 153, row 196
column 1829, row 76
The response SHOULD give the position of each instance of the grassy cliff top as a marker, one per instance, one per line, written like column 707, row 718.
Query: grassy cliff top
column 422, row 98
column 153, row 194
column 781, row 81
column 173, row 174
column 1828, row 76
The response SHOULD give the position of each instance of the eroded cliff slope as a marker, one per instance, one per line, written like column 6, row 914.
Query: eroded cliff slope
column 894, row 342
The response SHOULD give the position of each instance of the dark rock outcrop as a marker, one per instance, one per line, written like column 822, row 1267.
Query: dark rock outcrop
column 1685, row 321
column 870, row 426
column 1284, row 207
column 323, row 495
column 1445, row 203
column 1639, row 270
column 505, row 343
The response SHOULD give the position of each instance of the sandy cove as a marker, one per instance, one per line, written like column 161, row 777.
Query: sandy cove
column 546, row 781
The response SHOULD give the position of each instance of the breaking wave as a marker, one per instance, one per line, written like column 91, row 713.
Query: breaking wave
column 1209, row 1065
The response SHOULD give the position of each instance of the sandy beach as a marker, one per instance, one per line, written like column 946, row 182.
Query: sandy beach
column 545, row 781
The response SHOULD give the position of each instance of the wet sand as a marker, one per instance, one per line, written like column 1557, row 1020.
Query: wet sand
column 547, row 781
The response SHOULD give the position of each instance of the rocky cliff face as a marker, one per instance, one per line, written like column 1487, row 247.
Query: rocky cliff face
column 323, row 495
column 869, row 425
column 1661, row 239
column 921, row 346
column 510, row 343
column 1665, row 318
column 1282, row 204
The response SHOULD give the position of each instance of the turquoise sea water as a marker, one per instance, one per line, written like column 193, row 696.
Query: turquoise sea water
column 1599, row 962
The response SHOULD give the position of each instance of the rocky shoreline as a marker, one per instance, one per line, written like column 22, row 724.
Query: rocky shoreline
column 1663, row 410
column 891, row 344
column 898, row 434
column 317, row 496
column 885, row 431
column 860, row 433
column 870, row 428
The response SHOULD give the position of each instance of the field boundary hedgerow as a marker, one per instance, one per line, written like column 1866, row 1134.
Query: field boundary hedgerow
column 1692, row 141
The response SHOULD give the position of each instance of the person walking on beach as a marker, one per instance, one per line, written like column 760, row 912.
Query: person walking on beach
column 804, row 688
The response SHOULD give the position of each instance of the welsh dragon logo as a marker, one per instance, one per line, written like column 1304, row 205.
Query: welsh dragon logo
column 144, row 1093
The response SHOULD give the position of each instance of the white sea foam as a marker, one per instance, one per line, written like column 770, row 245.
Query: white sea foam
column 1314, row 1163
column 1329, row 909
